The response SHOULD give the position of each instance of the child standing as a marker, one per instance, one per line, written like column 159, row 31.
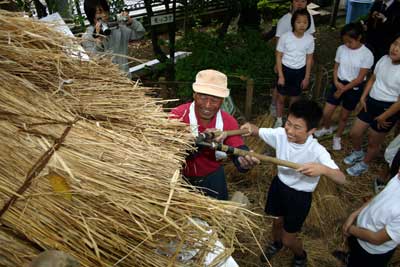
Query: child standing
column 290, row 193
column 284, row 25
column 380, row 101
column 352, row 63
column 294, row 54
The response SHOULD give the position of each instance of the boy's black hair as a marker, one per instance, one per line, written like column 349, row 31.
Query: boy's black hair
column 353, row 30
column 90, row 8
column 307, row 110
column 395, row 38
column 301, row 12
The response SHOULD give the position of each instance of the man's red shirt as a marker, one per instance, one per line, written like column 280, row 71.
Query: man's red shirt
column 204, row 162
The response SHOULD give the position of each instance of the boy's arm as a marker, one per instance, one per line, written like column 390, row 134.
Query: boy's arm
column 278, row 56
column 375, row 238
column 356, row 81
column 309, row 62
column 317, row 169
column 381, row 119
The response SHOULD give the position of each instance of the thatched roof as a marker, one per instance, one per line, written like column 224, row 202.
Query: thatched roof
column 90, row 162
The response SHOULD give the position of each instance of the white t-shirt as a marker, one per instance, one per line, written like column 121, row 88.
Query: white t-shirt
column 352, row 60
column 310, row 151
column 383, row 212
column 285, row 26
column 387, row 84
column 295, row 49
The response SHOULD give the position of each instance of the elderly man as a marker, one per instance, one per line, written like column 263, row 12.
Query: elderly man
column 203, row 168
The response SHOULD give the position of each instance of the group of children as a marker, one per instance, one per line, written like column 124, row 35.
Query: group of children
column 373, row 231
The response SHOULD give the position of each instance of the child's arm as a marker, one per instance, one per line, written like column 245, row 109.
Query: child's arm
column 360, row 78
column 375, row 238
column 306, row 81
column 381, row 119
column 367, row 89
column 317, row 169
column 253, row 130
column 281, row 79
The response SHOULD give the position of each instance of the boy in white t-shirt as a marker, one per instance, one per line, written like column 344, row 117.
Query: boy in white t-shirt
column 290, row 193
column 376, row 234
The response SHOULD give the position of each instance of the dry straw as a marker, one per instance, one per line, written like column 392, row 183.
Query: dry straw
column 107, row 192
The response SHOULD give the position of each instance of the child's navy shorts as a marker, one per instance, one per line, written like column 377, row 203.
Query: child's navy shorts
column 293, row 79
column 349, row 99
column 292, row 205
column 374, row 109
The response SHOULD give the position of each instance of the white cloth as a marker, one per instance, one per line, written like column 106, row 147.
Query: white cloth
column 310, row 151
column 391, row 150
column 387, row 84
column 295, row 49
column 352, row 60
column 194, row 127
column 284, row 25
column 382, row 212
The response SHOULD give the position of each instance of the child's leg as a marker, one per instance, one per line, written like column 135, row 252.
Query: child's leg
column 294, row 99
column 344, row 115
column 277, row 228
column 280, row 103
column 357, row 132
column 291, row 241
column 375, row 140
column 327, row 116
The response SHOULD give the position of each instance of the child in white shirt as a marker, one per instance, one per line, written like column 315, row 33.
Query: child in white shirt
column 352, row 63
column 294, row 54
column 290, row 193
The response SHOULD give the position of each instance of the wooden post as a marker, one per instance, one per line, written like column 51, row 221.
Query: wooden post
column 335, row 9
column 163, row 88
column 318, row 82
column 249, row 98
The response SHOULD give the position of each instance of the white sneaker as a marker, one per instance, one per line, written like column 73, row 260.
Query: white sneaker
column 336, row 145
column 323, row 132
column 278, row 123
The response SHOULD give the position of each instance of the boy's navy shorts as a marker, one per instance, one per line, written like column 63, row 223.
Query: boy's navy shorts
column 349, row 99
column 292, row 205
column 374, row 109
column 293, row 79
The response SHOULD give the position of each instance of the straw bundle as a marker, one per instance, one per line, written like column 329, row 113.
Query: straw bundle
column 89, row 161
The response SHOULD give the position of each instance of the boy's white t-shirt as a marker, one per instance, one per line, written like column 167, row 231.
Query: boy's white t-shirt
column 382, row 212
column 352, row 60
column 295, row 49
column 284, row 25
column 387, row 83
column 309, row 152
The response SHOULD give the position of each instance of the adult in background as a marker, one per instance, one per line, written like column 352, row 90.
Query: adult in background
column 383, row 25
column 100, row 38
column 203, row 168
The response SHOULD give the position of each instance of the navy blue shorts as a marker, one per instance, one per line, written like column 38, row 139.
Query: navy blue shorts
column 293, row 79
column 213, row 185
column 359, row 257
column 292, row 205
column 374, row 109
column 349, row 99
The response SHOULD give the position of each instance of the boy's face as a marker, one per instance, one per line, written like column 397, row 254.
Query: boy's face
column 299, row 4
column 301, row 24
column 296, row 130
column 101, row 14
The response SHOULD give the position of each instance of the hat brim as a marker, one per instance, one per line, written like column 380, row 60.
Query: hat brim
column 211, row 90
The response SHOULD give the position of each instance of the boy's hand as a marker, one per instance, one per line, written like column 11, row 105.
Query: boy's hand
column 281, row 81
column 248, row 162
column 305, row 83
column 253, row 130
column 382, row 123
column 349, row 222
column 312, row 169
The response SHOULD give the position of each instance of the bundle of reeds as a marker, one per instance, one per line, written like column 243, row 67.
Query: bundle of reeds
column 88, row 162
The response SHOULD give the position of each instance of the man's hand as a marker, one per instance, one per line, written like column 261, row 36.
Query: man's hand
column 248, row 162
column 217, row 138
column 312, row 169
